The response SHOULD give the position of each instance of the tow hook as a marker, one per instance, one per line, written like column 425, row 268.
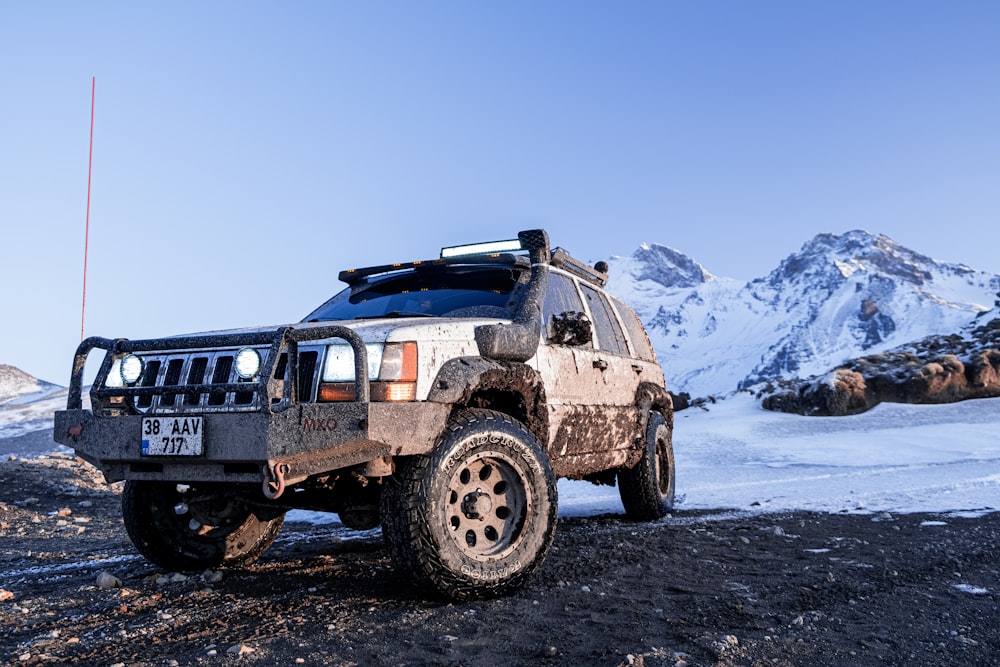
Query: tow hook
column 274, row 480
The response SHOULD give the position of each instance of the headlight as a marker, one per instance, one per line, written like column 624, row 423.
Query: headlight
column 247, row 363
column 392, row 368
column 131, row 368
column 339, row 366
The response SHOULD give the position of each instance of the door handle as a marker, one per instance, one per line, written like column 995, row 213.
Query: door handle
column 600, row 364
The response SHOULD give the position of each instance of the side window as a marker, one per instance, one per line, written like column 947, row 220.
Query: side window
column 560, row 298
column 609, row 333
column 636, row 332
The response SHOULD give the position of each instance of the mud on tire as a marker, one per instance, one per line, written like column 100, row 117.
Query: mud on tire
column 180, row 527
column 476, row 517
column 647, row 488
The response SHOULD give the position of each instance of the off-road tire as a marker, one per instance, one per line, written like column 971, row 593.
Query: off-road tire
column 476, row 517
column 647, row 488
column 173, row 529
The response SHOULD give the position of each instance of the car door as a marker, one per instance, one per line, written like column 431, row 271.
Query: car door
column 590, row 384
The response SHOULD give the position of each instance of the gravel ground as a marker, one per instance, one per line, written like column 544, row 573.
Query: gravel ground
column 693, row 589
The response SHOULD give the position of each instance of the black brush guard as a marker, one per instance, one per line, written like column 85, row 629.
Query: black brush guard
column 276, row 394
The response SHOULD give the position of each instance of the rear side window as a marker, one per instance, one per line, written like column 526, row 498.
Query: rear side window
column 561, row 297
column 609, row 333
column 641, row 346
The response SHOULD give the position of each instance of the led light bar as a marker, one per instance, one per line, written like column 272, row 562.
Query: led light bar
column 481, row 248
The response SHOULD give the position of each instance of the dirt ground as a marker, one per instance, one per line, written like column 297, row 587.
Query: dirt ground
column 692, row 589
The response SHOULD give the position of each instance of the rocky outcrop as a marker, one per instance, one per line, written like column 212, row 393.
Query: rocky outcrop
column 937, row 369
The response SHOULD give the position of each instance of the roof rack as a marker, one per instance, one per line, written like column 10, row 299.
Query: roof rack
column 535, row 242
column 562, row 260
column 354, row 276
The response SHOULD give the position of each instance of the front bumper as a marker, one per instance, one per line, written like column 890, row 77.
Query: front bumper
column 306, row 440
column 277, row 436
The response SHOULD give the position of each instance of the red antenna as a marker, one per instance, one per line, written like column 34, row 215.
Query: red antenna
column 86, row 238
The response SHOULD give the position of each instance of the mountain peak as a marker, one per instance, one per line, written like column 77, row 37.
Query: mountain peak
column 840, row 256
column 668, row 267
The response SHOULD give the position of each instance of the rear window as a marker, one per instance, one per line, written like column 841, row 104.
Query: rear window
column 609, row 334
column 641, row 346
column 453, row 293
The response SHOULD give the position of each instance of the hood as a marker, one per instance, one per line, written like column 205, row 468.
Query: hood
column 386, row 329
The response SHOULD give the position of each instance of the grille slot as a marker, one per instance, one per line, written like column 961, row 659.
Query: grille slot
column 148, row 380
column 243, row 397
column 171, row 379
column 223, row 367
column 281, row 366
column 196, row 375
column 307, row 372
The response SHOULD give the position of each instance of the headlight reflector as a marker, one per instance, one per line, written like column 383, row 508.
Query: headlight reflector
column 247, row 363
column 131, row 368
column 399, row 362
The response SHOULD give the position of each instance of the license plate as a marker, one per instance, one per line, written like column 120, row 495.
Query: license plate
column 172, row 436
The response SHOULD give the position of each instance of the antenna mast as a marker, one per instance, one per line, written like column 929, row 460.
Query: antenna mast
column 86, row 238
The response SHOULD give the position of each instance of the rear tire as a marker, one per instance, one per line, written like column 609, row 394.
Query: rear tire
column 186, row 528
column 647, row 488
column 476, row 517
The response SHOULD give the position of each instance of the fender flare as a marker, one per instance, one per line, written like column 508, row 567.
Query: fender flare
column 651, row 397
column 460, row 379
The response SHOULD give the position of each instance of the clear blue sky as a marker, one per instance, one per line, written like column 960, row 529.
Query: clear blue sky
column 245, row 152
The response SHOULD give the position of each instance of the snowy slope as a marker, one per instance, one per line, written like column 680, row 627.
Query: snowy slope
column 26, row 403
column 838, row 298
column 894, row 458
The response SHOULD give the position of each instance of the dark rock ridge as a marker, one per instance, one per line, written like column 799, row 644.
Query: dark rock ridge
column 936, row 369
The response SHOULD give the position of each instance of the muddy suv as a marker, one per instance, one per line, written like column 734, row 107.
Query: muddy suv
column 441, row 399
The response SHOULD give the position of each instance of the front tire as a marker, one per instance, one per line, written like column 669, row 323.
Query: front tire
column 647, row 488
column 186, row 528
column 476, row 517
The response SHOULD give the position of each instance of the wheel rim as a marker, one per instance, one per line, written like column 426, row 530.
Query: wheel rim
column 662, row 465
column 208, row 517
column 486, row 505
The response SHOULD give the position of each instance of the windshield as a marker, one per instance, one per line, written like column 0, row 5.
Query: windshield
column 452, row 293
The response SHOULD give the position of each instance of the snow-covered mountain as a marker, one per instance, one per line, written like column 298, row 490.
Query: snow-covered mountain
column 26, row 408
column 839, row 297
column 15, row 383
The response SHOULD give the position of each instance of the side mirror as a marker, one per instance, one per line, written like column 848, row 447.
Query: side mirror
column 570, row 328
